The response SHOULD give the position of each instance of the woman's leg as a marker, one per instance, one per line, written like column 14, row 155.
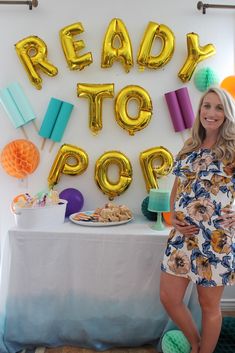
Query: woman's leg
column 172, row 290
column 209, row 299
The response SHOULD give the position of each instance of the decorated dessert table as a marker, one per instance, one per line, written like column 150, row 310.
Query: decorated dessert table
column 95, row 287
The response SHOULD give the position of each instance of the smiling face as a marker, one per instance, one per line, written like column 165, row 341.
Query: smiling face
column 212, row 112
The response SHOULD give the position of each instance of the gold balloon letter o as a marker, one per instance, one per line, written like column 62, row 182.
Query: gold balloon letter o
column 145, row 108
column 108, row 187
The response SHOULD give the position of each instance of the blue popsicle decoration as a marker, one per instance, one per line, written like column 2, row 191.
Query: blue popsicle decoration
column 11, row 108
column 22, row 102
column 55, row 120
column 50, row 117
column 17, row 106
column 61, row 121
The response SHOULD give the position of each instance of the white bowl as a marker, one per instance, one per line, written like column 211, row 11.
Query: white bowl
column 37, row 217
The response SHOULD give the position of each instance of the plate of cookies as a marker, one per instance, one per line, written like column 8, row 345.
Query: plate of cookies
column 109, row 215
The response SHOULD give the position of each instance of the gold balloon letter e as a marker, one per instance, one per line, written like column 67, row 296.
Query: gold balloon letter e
column 72, row 47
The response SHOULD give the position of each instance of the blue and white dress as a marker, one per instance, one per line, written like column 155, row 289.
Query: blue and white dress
column 205, row 187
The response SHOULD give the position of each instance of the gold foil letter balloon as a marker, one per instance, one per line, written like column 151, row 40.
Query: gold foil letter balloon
column 64, row 163
column 108, row 187
column 196, row 53
column 71, row 47
column 117, row 46
column 128, row 123
column 32, row 52
column 151, row 171
column 156, row 31
column 95, row 93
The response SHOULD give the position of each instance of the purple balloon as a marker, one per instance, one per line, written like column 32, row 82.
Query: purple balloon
column 75, row 200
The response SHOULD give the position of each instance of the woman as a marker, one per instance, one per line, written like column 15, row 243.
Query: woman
column 201, row 245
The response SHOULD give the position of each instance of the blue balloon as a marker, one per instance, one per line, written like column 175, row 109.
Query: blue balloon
column 75, row 200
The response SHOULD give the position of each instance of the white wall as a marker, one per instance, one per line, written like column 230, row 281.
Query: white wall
column 17, row 22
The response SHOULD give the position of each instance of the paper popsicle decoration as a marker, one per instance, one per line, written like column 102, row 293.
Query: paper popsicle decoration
column 55, row 120
column 17, row 106
column 180, row 109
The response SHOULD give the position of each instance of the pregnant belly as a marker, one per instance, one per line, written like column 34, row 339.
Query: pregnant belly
column 199, row 210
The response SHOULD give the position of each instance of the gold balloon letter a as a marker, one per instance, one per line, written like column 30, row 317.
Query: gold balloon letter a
column 32, row 52
column 117, row 30
column 154, row 30
column 71, row 47
column 195, row 55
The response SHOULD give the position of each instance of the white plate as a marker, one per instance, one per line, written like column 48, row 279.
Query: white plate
column 96, row 224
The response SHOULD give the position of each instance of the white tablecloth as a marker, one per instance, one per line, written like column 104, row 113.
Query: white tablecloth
column 95, row 287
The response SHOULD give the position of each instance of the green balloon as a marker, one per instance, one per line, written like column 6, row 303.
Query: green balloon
column 174, row 341
column 152, row 216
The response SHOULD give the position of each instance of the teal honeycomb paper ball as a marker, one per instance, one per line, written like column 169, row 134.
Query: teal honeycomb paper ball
column 152, row 216
column 174, row 341
column 205, row 78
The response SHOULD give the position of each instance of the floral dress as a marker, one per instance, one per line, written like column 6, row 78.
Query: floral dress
column 205, row 186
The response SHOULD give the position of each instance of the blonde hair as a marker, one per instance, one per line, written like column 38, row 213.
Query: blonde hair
column 225, row 144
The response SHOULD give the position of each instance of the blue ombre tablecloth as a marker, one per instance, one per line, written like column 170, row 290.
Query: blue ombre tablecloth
column 93, row 287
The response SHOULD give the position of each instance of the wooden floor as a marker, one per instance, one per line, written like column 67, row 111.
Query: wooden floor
column 144, row 349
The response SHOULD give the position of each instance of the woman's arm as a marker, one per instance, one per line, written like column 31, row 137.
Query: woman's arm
column 173, row 195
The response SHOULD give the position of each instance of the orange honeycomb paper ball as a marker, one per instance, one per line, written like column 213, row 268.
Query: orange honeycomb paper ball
column 20, row 158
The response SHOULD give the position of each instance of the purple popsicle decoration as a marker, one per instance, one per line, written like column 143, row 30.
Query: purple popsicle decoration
column 180, row 109
column 174, row 110
column 185, row 106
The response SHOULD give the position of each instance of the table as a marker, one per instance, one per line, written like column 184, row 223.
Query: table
column 94, row 287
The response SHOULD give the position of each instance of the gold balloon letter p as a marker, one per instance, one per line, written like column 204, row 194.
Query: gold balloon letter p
column 62, row 164
column 151, row 172
column 32, row 52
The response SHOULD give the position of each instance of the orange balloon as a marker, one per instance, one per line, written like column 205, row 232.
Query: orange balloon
column 229, row 85
column 20, row 158
column 167, row 218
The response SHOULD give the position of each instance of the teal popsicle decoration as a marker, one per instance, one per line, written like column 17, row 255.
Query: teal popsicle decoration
column 17, row 106
column 55, row 120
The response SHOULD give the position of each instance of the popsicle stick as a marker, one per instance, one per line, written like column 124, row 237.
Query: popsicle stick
column 52, row 145
column 182, row 136
column 35, row 125
column 23, row 183
column 24, row 132
column 43, row 143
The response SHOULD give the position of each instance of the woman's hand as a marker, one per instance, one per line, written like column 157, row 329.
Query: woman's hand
column 183, row 227
column 228, row 218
